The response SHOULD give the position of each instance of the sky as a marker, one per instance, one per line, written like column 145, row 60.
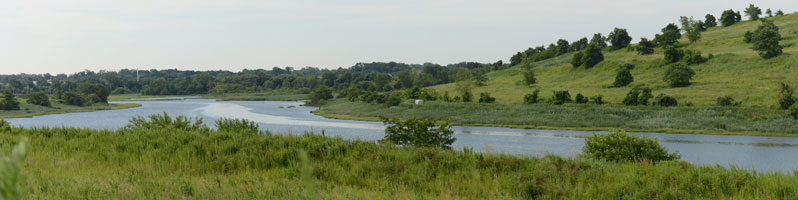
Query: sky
column 58, row 36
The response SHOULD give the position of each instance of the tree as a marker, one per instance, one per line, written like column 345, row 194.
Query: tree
column 516, row 59
column 623, row 77
column 692, row 28
column 619, row 146
column 486, row 98
column 692, row 57
column 729, row 17
column 672, row 54
column 678, row 75
column 645, row 47
column 392, row 99
column 710, row 21
column 753, row 12
column 576, row 60
column 592, row 56
column 464, row 82
column 563, row 47
column 619, row 38
column 766, row 39
column 481, row 76
column 793, row 111
column 580, row 99
column 665, row 100
column 466, row 96
column 418, row 133
column 532, row 98
column 670, row 36
column 72, row 98
column 529, row 76
column 779, row 13
column 39, row 98
column 97, row 89
column 637, row 96
column 320, row 95
column 9, row 100
column 599, row 40
column 579, row 44
column 769, row 12
column 561, row 97
column 786, row 97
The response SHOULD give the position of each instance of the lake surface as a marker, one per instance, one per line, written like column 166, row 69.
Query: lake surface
column 764, row 154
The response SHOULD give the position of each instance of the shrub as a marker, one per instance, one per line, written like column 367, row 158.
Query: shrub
column 532, row 98
column 9, row 101
column 561, row 97
column 665, row 100
column 624, row 76
column 786, row 98
column 693, row 57
column 486, row 98
column 419, row 133
column 678, row 75
column 39, row 98
column 158, row 121
column 766, row 39
column 727, row 101
column 598, row 99
column 645, row 47
column 320, row 95
column 793, row 110
column 592, row 56
column 11, row 171
column 576, row 61
column 637, row 96
column 72, row 98
column 122, row 91
column 580, row 99
column 237, row 125
column 391, row 100
column 467, row 96
column 529, row 77
column 673, row 54
column 619, row 146
column 645, row 95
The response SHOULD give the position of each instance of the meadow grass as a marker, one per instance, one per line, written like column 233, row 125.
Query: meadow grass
column 30, row 110
column 168, row 163
column 735, row 71
column 699, row 120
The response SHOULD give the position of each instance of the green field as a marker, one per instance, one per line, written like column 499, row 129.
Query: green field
column 169, row 163
column 29, row 110
column 735, row 70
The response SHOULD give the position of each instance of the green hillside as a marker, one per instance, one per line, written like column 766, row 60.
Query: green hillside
column 735, row 70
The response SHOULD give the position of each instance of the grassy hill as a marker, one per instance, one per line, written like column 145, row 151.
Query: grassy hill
column 735, row 70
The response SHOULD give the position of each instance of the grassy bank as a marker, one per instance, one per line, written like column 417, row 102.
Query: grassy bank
column 735, row 71
column 698, row 120
column 170, row 164
column 255, row 96
column 29, row 110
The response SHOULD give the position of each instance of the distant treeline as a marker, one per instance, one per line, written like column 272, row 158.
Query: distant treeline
column 376, row 77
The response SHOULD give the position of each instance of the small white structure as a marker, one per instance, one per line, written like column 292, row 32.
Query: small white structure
column 419, row 102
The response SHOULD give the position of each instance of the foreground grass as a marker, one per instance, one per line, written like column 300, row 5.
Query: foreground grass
column 735, row 71
column 75, row 163
column 700, row 120
column 29, row 110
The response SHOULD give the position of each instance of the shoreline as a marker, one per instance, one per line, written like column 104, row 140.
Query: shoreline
column 110, row 106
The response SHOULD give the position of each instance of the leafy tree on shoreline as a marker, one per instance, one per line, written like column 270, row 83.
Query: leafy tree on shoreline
column 39, row 98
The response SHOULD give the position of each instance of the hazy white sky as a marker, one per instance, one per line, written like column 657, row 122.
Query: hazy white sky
column 66, row 36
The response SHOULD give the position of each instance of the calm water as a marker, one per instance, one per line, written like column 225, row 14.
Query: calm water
column 765, row 154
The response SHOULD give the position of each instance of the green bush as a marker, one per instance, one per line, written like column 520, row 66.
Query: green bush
column 598, row 99
column 580, row 99
column 532, row 98
column 561, row 97
column 624, row 76
column 665, row 100
column 619, row 146
column 576, row 60
column 320, row 95
column 392, row 100
column 9, row 101
column 727, row 101
column 793, row 110
column 466, row 96
column 786, row 97
column 592, row 56
column 693, row 57
column 122, row 91
column 486, row 98
column 237, row 126
column 637, row 96
column 418, row 133
column 72, row 98
column 645, row 47
column 11, row 172
column 158, row 121
column 39, row 98
column 678, row 75
column 673, row 54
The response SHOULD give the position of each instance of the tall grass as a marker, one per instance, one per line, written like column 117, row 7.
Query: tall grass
column 709, row 119
column 169, row 163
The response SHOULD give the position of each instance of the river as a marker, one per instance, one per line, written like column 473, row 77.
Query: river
column 764, row 154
